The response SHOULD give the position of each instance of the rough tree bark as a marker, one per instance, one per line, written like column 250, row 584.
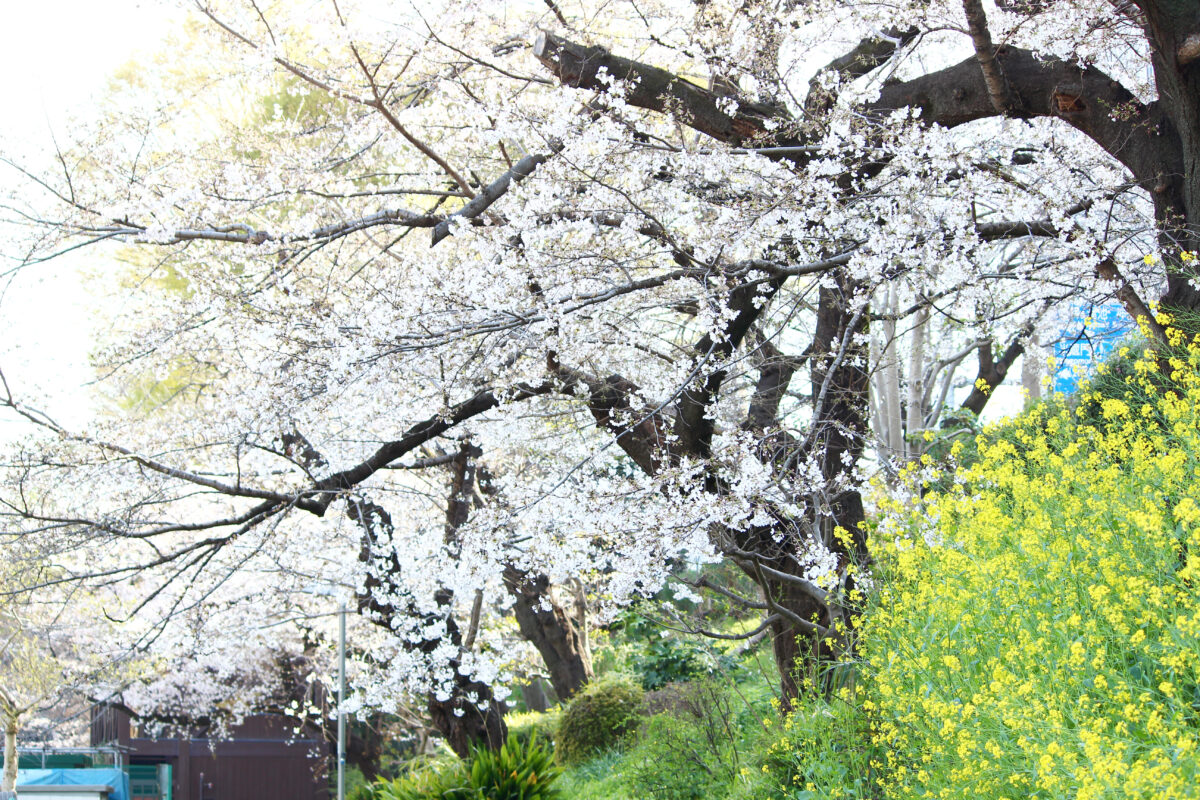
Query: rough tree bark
column 1173, row 29
column 550, row 627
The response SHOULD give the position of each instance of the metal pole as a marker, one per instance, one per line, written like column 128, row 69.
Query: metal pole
column 341, row 745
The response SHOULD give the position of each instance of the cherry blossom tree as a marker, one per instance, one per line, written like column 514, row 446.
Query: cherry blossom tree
column 493, row 298
column 56, row 650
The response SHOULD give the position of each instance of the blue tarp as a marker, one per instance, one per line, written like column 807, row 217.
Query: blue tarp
column 1089, row 341
column 96, row 776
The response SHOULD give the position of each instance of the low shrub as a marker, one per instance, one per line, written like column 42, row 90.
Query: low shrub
column 598, row 718
column 669, row 699
column 356, row 787
column 657, row 657
column 517, row 771
column 527, row 726
column 444, row 779
column 690, row 753
column 669, row 659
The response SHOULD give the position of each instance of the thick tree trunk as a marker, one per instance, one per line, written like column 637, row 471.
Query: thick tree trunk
column 836, row 439
column 794, row 647
column 471, row 717
column 552, row 630
column 473, row 728
column 840, row 382
column 364, row 747
column 1173, row 28
column 798, row 650
column 8, row 783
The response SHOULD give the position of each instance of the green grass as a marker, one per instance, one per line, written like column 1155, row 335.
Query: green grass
column 600, row 778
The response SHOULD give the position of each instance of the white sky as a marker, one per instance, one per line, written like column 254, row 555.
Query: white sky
column 55, row 56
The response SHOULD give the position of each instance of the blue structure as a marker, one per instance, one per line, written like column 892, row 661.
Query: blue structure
column 1088, row 342
column 114, row 777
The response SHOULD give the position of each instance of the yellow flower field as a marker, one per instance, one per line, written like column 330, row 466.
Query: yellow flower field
column 1038, row 630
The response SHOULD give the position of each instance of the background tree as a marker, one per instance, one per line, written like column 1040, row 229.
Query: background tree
column 55, row 653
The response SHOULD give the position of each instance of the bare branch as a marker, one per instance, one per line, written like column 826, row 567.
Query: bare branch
column 1132, row 302
column 327, row 489
column 553, row 6
column 992, row 371
column 871, row 53
column 656, row 89
column 245, row 234
column 705, row 583
column 493, row 192
column 1001, row 95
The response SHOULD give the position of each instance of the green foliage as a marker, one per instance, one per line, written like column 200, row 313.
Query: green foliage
column 666, row 659
column 357, row 788
column 692, row 753
column 443, row 779
column 598, row 718
column 822, row 749
column 732, row 744
column 658, row 656
column 516, row 771
column 601, row 777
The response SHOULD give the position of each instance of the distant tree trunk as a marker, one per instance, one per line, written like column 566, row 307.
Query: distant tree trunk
column 1031, row 376
column 914, row 407
column 890, row 369
column 552, row 630
column 8, row 783
column 534, row 695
